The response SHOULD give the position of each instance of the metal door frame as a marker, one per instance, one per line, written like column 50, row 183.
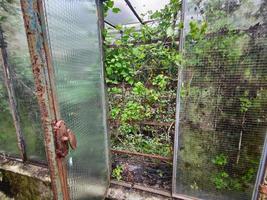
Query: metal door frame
column 262, row 168
column 34, row 16
column 35, row 27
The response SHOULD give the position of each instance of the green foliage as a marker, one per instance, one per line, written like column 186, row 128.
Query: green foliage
column 161, row 81
column 221, row 96
column 221, row 180
column 141, row 75
column 115, row 90
column 109, row 5
column 220, row 160
column 117, row 172
column 139, row 89
column 140, row 143
column 245, row 103
column 132, row 111
column 197, row 31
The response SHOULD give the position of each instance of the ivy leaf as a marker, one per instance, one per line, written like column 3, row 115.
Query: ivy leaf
column 116, row 10
column 110, row 4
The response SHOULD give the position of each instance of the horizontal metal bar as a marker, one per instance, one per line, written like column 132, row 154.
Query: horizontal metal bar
column 140, row 187
column 158, row 157
column 184, row 197
column 153, row 190
column 168, row 42
column 149, row 123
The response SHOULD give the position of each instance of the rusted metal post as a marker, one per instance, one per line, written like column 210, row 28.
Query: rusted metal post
column 11, row 96
column 34, row 22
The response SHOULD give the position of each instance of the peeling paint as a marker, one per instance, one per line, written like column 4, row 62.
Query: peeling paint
column 36, row 37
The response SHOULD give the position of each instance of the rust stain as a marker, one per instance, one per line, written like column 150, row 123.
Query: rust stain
column 35, row 39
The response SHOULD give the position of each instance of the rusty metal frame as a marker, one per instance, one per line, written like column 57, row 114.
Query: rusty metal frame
column 152, row 190
column 142, row 188
column 34, row 22
column 145, row 155
column 11, row 97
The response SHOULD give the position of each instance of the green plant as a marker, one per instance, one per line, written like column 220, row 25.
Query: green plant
column 140, row 143
column 160, row 81
column 222, row 92
column 117, row 172
column 132, row 111
column 220, row 160
column 114, row 113
column 109, row 5
column 221, row 180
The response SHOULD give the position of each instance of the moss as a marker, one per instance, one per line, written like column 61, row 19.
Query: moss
column 24, row 187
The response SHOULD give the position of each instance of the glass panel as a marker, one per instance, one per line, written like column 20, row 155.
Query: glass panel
column 8, row 138
column 73, row 31
column 143, row 7
column 125, row 16
column 21, row 72
column 223, row 99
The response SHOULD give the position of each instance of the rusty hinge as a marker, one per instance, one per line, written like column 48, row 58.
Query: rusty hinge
column 263, row 189
column 64, row 138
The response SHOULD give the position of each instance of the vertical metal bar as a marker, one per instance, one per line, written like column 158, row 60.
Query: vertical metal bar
column 262, row 172
column 100, row 21
column 182, row 32
column 178, row 102
column 37, row 41
column 11, row 96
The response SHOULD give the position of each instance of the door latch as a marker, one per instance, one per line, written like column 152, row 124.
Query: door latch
column 64, row 138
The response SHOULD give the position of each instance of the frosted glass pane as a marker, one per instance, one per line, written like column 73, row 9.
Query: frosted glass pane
column 145, row 6
column 223, row 100
column 21, row 72
column 8, row 138
column 73, row 31
column 125, row 16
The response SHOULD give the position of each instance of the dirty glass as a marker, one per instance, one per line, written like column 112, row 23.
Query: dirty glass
column 125, row 16
column 145, row 6
column 76, row 57
column 22, row 78
column 223, row 99
column 8, row 138
column 142, row 8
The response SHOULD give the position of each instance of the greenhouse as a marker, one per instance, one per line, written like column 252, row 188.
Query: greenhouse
column 130, row 99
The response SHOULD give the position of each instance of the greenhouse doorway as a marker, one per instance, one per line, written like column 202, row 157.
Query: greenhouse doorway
column 187, row 95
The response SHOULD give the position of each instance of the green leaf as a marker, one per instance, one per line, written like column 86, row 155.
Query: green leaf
column 170, row 31
column 116, row 10
column 110, row 4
